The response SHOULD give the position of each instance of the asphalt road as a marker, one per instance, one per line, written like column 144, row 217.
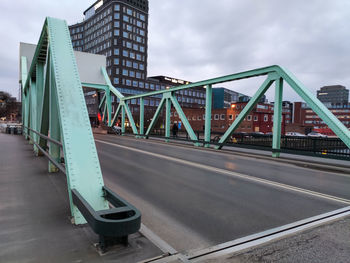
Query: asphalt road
column 193, row 198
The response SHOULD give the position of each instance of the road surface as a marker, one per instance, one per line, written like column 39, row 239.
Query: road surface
column 194, row 198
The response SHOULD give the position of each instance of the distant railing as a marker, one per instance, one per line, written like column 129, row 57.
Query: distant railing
column 305, row 145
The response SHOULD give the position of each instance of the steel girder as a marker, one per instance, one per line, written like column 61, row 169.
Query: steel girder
column 274, row 74
column 54, row 106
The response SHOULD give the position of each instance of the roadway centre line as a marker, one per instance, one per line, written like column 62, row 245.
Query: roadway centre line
column 233, row 174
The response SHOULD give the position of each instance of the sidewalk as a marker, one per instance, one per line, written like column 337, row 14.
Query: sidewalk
column 35, row 216
column 329, row 243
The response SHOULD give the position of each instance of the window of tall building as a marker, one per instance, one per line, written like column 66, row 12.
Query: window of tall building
column 125, row 72
column 125, row 34
column 116, row 61
column 128, row 63
column 139, row 23
column 136, row 47
column 117, row 8
column 141, row 66
column 142, row 17
column 116, row 24
column 132, row 55
column 116, row 51
column 125, row 18
column 135, row 84
column 125, row 53
column 128, row 82
column 132, row 73
column 138, row 57
column 129, row 11
column 129, row 28
column 116, row 32
column 116, row 80
column 128, row 44
column 138, row 75
column 116, row 16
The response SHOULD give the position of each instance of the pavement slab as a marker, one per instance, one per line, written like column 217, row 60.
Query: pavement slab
column 35, row 217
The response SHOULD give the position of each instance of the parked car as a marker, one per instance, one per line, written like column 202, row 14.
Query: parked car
column 258, row 133
column 117, row 130
column 316, row 134
column 295, row 134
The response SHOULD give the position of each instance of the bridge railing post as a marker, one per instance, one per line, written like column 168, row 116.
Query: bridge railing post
column 167, row 119
column 208, row 107
column 277, row 118
column 142, row 116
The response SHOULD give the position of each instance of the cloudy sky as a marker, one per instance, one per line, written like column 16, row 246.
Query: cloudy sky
column 201, row 39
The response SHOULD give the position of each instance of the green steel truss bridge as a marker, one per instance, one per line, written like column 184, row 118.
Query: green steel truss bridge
column 56, row 122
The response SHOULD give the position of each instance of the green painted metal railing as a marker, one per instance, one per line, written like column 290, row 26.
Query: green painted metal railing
column 55, row 117
column 275, row 74
column 54, row 107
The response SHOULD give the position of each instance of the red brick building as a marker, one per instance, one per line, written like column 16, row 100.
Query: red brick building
column 305, row 116
column 260, row 119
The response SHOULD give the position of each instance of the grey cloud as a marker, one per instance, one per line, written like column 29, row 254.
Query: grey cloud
column 310, row 38
column 196, row 39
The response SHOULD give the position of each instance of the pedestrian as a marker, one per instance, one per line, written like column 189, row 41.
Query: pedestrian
column 175, row 129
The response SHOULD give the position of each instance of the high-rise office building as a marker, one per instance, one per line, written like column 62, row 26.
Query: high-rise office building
column 119, row 30
column 223, row 98
column 335, row 94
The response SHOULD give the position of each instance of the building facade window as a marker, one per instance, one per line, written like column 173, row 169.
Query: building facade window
column 125, row 72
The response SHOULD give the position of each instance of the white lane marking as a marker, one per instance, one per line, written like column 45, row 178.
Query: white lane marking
column 233, row 174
